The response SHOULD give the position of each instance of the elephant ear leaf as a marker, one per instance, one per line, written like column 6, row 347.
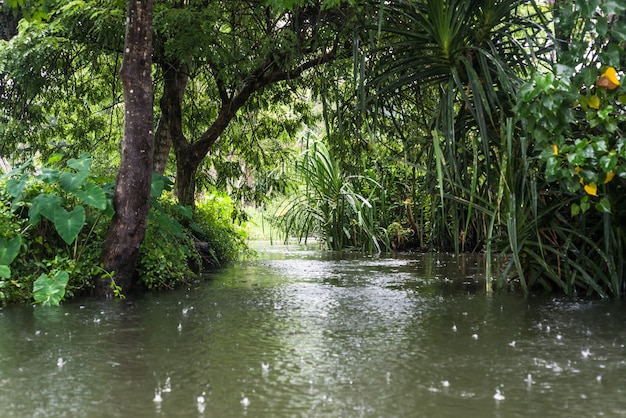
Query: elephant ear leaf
column 69, row 224
column 72, row 181
column 9, row 249
column 50, row 291
column 92, row 195
column 5, row 273
column 43, row 205
column 82, row 163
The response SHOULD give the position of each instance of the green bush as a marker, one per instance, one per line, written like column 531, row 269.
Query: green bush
column 164, row 258
column 178, row 244
column 213, row 224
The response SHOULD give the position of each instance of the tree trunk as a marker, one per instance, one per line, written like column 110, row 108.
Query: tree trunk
column 132, row 190
column 186, row 169
column 170, row 122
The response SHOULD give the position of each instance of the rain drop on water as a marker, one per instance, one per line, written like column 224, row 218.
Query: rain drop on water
column 498, row 396
column 201, row 403
column 168, row 385
column 157, row 396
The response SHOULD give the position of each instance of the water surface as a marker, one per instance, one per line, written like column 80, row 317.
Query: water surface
column 303, row 333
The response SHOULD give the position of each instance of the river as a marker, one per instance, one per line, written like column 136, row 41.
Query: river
column 299, row 332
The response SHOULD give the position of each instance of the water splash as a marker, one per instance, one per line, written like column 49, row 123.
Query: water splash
column 498, row 396
column 201, row 403
column 529, row 380
column 157, row 396
column 167, row 387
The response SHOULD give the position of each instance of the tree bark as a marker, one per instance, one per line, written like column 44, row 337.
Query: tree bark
column 132, row 190
column 171, row 120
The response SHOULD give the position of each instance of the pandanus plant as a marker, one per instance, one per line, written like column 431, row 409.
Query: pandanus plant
column 329, row 205
column 469, row 58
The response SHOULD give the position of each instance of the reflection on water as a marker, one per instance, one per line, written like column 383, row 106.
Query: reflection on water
column 302, row 333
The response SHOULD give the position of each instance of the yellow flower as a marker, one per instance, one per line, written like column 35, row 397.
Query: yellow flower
column 594, row 102
column 556, row 149
column 577, row 170
column 591, row 189
column 608, row 79
column 609, row 176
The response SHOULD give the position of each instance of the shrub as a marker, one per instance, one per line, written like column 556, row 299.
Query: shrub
column 213, row 225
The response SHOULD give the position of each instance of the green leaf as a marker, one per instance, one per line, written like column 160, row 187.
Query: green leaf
column 588, row 7
column 43, row 205
column 83, row 163
column 48, row 175
column 611, row 56
column 72, row 181
column 49, row 291
column 613, row 6
column 575, row 209
column 584, row 204
column 601, row 25
column 55, row 158
column 159, row 183
column 16, row 186
column 92, row 195
column 5, row 272
column 9, row 249
column 604, row 205
column 69, row 224
column 619, row 30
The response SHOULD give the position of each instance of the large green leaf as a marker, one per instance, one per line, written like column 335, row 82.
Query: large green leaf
column 43, row 205
column 9, row 249
column 5, row 272
column 72, row 181
column 69, row 224
column 48, row 175
column 83, row 163
column 49, row 291
column 15, row 186
column 92, row 195
column 159, row 183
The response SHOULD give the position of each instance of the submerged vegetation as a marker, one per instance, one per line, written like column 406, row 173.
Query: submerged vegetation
column 462, row 126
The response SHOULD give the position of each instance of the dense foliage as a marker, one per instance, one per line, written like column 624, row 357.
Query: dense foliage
column 440, row 125
column 54, row 221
